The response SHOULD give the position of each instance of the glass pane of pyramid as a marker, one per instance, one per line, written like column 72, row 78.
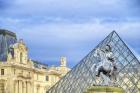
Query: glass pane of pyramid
column 83, row 74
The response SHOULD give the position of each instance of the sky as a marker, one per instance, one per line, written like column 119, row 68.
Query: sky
column 70, row 28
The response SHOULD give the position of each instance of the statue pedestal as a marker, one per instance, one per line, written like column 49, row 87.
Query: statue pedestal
column 104, row 89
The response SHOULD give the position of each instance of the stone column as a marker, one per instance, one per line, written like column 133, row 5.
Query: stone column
column 38, row 89
column 9, row 87
column 24, row 87
column 16, row 87
column 12, row 86
column 44, row 89
column 29, row 87
column 20, row 87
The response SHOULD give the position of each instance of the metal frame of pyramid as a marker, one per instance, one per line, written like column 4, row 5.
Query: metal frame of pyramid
column 83, row 74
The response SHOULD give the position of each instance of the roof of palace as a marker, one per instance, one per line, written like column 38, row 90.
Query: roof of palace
column 7, row 32
column 38, row 64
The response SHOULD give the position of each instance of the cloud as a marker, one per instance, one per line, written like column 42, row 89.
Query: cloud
column 47, row 41
column 72, row 9
column 54, row 28
column 3, row 4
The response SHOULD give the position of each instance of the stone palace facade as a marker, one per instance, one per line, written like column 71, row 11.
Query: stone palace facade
column 20, row 74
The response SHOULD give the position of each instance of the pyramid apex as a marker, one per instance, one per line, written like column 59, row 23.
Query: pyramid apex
column 114, row 31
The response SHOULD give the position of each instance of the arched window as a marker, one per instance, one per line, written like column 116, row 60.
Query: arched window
column 21, row 56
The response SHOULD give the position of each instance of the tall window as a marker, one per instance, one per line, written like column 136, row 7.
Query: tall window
column 2, row 71
column 14, row 71
column 29, row 73
column 47, row 78
column 21, row 56
column 37, row 76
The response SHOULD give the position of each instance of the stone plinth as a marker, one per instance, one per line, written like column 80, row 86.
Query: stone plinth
column 104, row 89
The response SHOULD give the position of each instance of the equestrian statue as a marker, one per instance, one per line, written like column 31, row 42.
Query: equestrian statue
column 106, row 69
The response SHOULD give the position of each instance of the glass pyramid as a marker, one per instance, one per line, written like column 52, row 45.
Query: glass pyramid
column 83, row 74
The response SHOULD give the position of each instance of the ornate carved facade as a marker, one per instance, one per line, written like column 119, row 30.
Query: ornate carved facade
column 19, row 74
